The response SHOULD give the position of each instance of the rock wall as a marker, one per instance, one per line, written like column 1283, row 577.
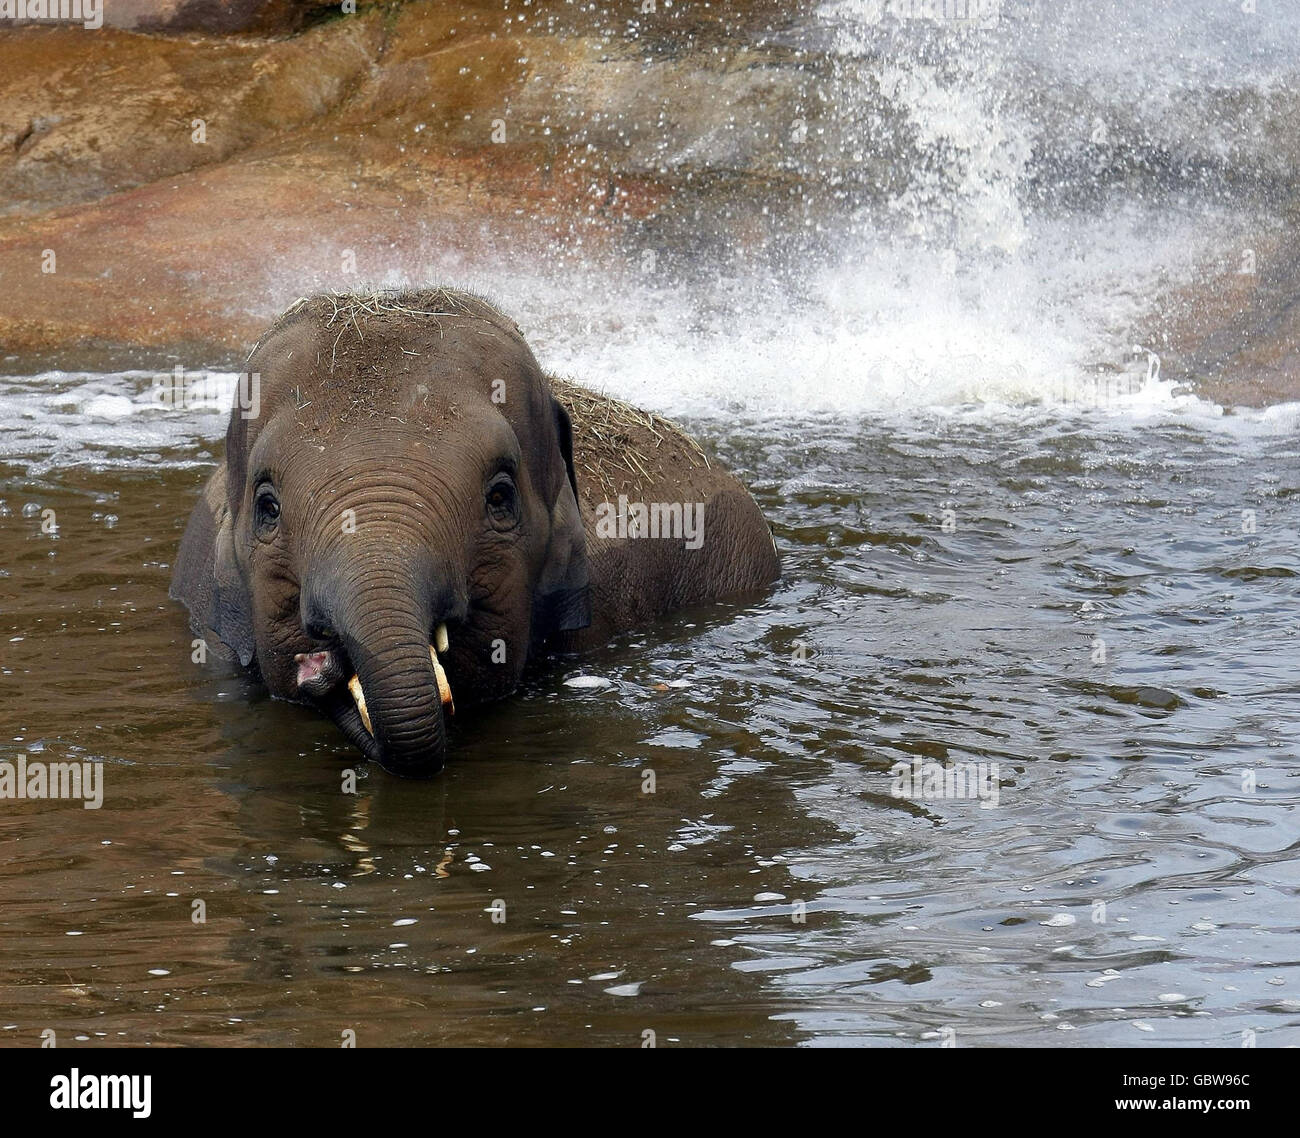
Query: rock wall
column 185, row 187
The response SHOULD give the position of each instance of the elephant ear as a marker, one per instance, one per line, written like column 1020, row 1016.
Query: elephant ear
column 563, row 599
column 207, row 577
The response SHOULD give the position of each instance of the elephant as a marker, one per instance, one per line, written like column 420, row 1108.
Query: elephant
column 410, row 510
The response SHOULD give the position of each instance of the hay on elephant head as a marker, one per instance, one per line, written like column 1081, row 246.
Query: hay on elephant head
column 347, row 310
column 345, row 307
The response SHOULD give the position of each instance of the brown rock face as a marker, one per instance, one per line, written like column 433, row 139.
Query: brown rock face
column 1236, row 333
column 82, row 117
column 164, row 191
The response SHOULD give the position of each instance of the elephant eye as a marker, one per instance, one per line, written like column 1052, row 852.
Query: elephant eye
column 266, row 510
column 502, row 501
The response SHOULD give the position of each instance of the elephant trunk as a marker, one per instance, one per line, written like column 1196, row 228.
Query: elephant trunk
column 386, row 632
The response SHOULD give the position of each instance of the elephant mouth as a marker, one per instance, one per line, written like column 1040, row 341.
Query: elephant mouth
column 320, row 681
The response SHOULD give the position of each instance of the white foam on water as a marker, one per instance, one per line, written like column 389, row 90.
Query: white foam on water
column 60, row 418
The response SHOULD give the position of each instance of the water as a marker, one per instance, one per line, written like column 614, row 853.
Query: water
column 1009, row 537
column 771, row 730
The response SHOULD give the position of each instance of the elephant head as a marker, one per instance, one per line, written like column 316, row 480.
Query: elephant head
column 396, row 522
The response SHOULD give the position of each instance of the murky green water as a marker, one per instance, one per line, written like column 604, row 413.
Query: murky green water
column 771, row 889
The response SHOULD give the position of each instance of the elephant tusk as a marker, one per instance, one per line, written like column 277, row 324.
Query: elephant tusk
column 444, row 688
column 441, row 641
column 359, row 698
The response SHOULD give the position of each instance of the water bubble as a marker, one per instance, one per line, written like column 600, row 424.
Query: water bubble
column 588, row 682
column 625, row 989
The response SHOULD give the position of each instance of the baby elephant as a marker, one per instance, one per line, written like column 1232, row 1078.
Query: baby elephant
column 409, row 511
